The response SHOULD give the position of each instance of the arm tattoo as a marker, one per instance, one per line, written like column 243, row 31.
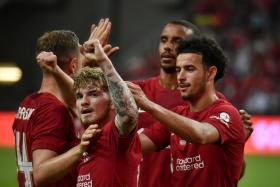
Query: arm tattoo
column 124, row 103
column 122, row 98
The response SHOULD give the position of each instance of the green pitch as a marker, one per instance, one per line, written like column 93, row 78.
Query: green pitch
column 261, row 171
column 7, row 168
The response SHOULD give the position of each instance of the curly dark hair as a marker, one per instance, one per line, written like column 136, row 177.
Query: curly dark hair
column 212, row 54
column 63, row 43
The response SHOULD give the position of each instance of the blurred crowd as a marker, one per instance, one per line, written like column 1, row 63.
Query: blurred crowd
column 248, row 30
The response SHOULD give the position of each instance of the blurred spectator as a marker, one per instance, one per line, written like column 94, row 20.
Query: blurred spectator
column 249, row 31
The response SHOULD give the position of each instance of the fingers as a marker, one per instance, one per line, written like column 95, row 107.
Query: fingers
column 47, row 60
column 113, row 51
column 44, row 55
column 88, row 136
column 133, row 87
column 92, row 58
column 88, row 46
column 93, row 29
column 246, row 118
column 90, row 133
column 104, row 38
column 244, row 114
column 130, row 83
column 98, row 55
column 248, row 131
column 94, row 126
column 102, row 31
column 109, row 50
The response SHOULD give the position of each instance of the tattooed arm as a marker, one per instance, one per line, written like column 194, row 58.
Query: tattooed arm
column 122, row 98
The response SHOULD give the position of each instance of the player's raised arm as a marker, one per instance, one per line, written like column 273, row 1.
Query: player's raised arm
column 123, row 100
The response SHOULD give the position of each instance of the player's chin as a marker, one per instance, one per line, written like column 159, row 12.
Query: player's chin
column 169, row 68
column 86, row 121
column 185, row 96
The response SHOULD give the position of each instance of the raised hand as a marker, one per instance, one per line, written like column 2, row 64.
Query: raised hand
column 47, row 61
column 101, row 32
column 97, row 55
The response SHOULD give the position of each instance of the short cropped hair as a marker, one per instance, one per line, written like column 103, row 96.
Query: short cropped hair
column 90, row 76
column 63, row 43
column 187, row 24
column 212, row 54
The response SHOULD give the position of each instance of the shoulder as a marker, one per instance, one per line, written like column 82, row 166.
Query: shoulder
column 48, row 105
column 224, row 105
column 146, row 82
column 225, row 112
column 51, row 101
column 181, row 109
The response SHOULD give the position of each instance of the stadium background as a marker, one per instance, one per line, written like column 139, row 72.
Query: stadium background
column 248, row 31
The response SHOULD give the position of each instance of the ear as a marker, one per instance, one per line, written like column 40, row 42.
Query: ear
column 73, row 65
column 112, row 106
column 211, row 74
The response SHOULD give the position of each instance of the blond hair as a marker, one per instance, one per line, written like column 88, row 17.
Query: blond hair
column 90, row 76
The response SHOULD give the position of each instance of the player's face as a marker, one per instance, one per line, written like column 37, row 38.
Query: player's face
column 191, row 76
column 170, row 35
column 93, row 105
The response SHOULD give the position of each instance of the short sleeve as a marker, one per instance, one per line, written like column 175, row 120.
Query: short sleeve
column 228, row 122
column 53, row 128
column 158, row 134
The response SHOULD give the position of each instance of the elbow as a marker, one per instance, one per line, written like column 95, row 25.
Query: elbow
column 198, row 140
column 131, row 116
column 38, row 181
column 39, row 178
column 128, row 124
column 201, row 138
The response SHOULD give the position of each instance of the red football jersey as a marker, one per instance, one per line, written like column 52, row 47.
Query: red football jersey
column 216, row 165
column 112, row 160
column 42, row 122
column 155, row 169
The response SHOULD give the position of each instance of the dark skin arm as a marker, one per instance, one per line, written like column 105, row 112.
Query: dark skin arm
column 248, row 129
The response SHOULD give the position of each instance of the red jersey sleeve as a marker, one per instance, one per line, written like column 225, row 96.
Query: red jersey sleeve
column 53, row 128
column 158, row 134
column 228, row 122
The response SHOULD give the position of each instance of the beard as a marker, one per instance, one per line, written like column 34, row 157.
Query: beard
column 168, row 69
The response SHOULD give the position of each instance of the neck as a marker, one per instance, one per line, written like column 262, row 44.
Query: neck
column 168, row 80
column 49, row 85
column 111, row 115
column 203, row 101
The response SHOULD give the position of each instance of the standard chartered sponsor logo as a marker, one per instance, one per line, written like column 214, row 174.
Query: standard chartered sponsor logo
column 189, row 163
column 84, row 181
column 24, row 113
